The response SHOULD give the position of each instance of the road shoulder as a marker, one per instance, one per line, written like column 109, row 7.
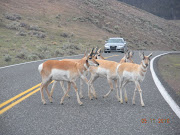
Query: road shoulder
column 164, row 89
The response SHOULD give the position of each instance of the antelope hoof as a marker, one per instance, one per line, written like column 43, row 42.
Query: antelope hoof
column 81, row 96
column 50, row 100
column 126, row 100
column 62, row 103
column 44, row 102
column 90, row 98
column 94, row 95
column 80, row 103
column 67, row 96
column 121, row 101
column 104, row 96
column 143, row 105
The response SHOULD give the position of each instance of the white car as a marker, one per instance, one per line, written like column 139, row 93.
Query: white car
column 115, row 44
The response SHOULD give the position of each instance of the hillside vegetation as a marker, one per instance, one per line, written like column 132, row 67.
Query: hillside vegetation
column 169, row 67
column 36, row 29
column 168, row 9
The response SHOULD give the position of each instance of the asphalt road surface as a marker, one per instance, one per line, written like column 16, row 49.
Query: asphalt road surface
column 98, row 116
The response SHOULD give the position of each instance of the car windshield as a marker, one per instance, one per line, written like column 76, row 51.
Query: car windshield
column 115, row 41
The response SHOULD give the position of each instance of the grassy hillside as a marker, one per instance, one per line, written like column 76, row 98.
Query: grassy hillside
column 36, row 29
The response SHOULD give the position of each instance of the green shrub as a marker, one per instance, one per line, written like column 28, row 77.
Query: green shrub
column 13, row 25
column 22, row 33
column 71, row 46
column 42, row 48
column 116, row 27
column 59, row 53
column 34, row 27
column 33, row 57
column 22, row 55
column 7, row 58
column 12, row 17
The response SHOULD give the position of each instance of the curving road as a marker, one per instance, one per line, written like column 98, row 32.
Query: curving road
column 27, row 115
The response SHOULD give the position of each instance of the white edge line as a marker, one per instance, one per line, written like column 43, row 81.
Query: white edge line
column 162, row 90
column 37, row 61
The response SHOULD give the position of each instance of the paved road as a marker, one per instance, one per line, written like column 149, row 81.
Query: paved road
column 101, row 116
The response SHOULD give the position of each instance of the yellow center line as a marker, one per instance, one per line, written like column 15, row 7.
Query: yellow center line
column 26, row 96
column 111, row 56
column 21, row 99
column 19, row 95
column 18, row 101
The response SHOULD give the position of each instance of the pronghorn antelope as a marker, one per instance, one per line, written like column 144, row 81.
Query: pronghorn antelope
column 64, row 71
column 97, row 54
column 62, row 82
column 107, row 69
column 130, row 72
column 127, row 58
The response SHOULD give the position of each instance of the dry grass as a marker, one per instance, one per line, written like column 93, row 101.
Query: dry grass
column 169, row 67
column 90, row 22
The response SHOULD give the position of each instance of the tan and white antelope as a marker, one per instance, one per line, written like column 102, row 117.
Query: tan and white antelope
column 64, row 71
column 130, row 72
column 127, row 58
column 107, row 69
column 62, row 82
column 96, row 55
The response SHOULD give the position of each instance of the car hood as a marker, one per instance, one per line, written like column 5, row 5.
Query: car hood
column 115, row 44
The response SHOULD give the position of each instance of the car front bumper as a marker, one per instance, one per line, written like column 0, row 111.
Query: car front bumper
column 114, row 48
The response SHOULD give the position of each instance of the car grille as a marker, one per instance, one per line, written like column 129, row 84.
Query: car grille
column 113, row 47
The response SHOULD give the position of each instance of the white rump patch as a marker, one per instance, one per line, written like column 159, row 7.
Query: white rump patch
column 40, row 67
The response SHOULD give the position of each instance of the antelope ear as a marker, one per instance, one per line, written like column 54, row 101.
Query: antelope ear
column 95, row 50
column 131, row 53
column 127, row 54
column 91, row 52
column 99, row 50
column 127, row 50
column 149, row 55
column 141, row 55
column 85, row 53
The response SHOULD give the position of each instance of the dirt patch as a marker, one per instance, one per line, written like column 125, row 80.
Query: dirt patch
column 169, row 67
